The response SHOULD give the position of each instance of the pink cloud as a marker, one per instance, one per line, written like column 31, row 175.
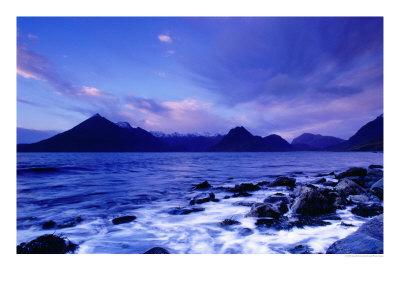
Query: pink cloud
column 164, row 38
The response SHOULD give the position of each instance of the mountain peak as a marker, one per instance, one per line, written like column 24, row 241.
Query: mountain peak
column 97, row 115
column 239, row 130
column 123, row 125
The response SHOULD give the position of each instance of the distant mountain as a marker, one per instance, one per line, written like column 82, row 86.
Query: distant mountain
column 239, row 139
column 190, row 142
column 97, row 134
column 368, row 138
column 316, row 141
column 27, row 136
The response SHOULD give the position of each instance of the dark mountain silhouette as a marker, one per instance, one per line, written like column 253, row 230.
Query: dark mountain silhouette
column 239, row 139
column 190, row 143
column 368, row 138
column 97, row 134
column 27, row 136
column 316, row 141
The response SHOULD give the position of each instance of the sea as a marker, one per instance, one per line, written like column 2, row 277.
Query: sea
column 83, row 192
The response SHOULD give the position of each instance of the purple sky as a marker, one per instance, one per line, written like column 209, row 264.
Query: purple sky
column 272, row 75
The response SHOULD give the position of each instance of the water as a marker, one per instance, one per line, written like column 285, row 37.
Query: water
column 98, row 187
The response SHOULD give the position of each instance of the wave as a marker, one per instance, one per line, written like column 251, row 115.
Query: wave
column 42, row 170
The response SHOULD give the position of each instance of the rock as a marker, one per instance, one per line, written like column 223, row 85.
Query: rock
column 198, row 200
column 312, row 202
column 346, row 224
column 342, row 202
column 367, row 210
column 226, row 197
column 125, row 219
column 375, row 167
column 70, row 223
column 262, row 183
column 229, row 222
column 277, row 198
column 377, row 189
column 319, row 181
column 47, row 244
column 49, row 224
column 348, row 187
column 157, row 250
column 284, row 181
column 300, row 249
column 244, row 203
column 352, row 172
column 245, row 231
column 203, row 185
column 359, row 198
column 185, row 211
column 284, row 223
column 241, row 194
column 268, row 210
column 330, row 183
column 368, row 239
column 375, row 173
column 244, row 187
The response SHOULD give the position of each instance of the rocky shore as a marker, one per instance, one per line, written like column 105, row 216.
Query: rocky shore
column 290, row 204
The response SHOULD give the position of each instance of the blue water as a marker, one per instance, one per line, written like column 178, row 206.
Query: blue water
column 98, row 187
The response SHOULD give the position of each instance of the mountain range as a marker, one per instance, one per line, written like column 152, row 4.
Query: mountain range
column 97, row 134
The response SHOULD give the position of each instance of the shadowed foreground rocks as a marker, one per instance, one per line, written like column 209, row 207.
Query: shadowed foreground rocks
column 157, row 250
column 368, row 239
column 47, row 244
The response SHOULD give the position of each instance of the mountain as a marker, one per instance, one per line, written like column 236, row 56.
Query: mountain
column 316, row 141
column 97, row 134
column 368, row 138
column 26, row 136
column 239, row 139
column 190, row 142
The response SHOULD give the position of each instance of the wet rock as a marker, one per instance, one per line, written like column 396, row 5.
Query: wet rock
column 301, row 249
column 229, row 222
column 262, row 183
column 342, row 202
column 312, row 202
column 319, row 181
column 284, row 181
column 353, row 172
column 47, row 244
column 278, row 198
column 377, row 189
column 245, row 231
column 122, row 220
column 330, row 183
column 268, row 210
column 298, row 172
column 157, row 250
column 203, row 185
column 70, row 223
column 346, row 224
column 241, row 194
column 375, row 167
column 367, row 210
column 244, row 203
column 348, row 187
column 375, row 173
column 185, row 211
column 49, row 224
column 359, row 198
column 226, row 197
column 368, row 239
column 198, row 200
column 284, row 223
column 244, row 187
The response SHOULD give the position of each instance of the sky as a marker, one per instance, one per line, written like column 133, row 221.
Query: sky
column 272, row 75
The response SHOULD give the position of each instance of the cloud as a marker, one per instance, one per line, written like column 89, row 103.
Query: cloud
column 92, row 91
column 160, row 73
column 164, row 38
column 26, row 101
column 32, row 36
column 340, row 91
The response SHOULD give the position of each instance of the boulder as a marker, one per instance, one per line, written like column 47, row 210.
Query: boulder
column 122, row 220
column 300, row 249
column 49, row 224
column 203, row 185
column 157, row 250
column 229, row 222
column 330, row 183
column 359, row 198
column 241, row 194
column 284, row 181
column 244, row 187
column 312, row 202
column 375, row 167
column 348, row 187
column 352, row 172
column 47, row 244
column 268, row 210
column 377, row 189
column 375, row 173
column 278, row 198
column 245, row 231
column 319, row 181
column 368, row 239
column 185, row 211
column 367, row 210
column 199, row 200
